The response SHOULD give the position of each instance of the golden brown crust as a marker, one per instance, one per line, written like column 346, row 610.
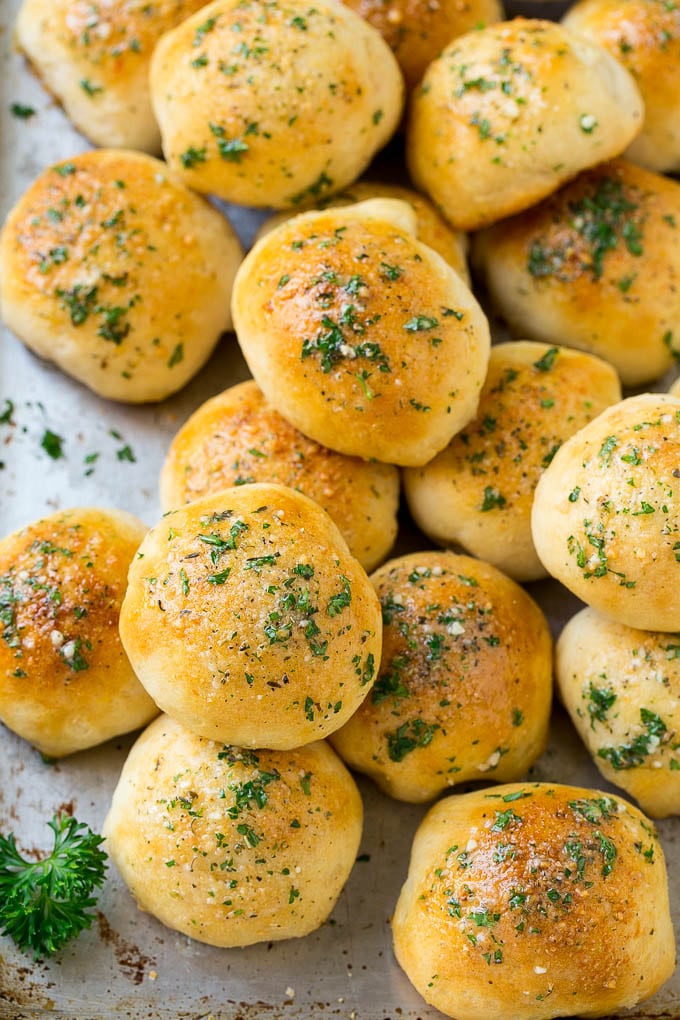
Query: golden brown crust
column 465, row 686
column 595, row 267
column 67, row 683
column 479, row 491
column 621, row 687
column 364, row 338
column 115, row 271
column 247, row 618
column 525, row 103
column 233, row 847
column 238, row 438
column 431, row 228
column 606, row 515
column 274, row 104
column 535, row 901
column 645, row 37
column 95, row 60
column 417, row 30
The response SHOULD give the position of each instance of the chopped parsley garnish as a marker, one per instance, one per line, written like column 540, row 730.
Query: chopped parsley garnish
column 421, row 323
column 258, row 563
column 219, row 578
column 219, row 544
column 545, row 363
column 52, row 444
column 601, row 700
column 587, row 123
column 409, row 736
column 203, row 30
column 177, row 356
column 341, row 599
column 608, row 851
column 333, row 346
column 70, row 654
column 89, row 88
column 126, row 453
column 505, row 818
column 21, row 112
column 390, row 684
column 322, row 183
column 493, row 500
column 595, row 809
column 230, row 149
column 80, row 301
column 191, row 156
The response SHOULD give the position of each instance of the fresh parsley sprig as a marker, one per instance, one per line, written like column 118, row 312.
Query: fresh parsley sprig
column 45, row 903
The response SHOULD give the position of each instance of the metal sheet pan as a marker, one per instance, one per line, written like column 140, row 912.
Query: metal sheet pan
column 127, row 965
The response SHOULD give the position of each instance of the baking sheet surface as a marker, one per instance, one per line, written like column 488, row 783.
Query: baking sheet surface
column 127, row 964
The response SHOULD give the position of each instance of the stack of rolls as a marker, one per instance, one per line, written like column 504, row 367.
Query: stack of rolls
column 258, row 633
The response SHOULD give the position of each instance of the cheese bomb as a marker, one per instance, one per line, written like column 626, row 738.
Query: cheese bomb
column 116, row 272
column 534, row 901
column 274, row 103
column 247, row 618
column 509, row 112
column 232, row 846
column 361, row 336
column 464, row 688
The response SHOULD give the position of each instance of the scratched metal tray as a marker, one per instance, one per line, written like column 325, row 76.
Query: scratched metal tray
column 127, row 965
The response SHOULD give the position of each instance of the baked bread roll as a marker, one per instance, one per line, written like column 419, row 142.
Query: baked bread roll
column 523, row 106
column 116, row 272
column 431, row 227
column 535, row 901
column 232, row 846
column 479, row 491
column 238, row 438
column 465, row 684
column 359, row 334
column 644, row 36
column 274, row 104
column 621, row 687
column 606, row 515
column 94, row 58
column 67, row 683
column 675, row 388
column 595, row 267
column 417, row 30
column 247, row 618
